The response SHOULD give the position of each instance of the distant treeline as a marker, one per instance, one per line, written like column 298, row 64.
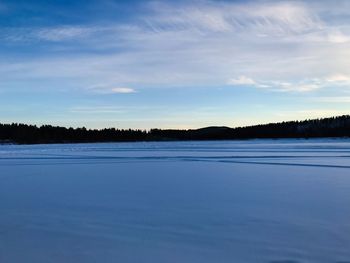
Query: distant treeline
column 30, row 134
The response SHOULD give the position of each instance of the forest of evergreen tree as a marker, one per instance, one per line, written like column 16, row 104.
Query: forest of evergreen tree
column 316, row 128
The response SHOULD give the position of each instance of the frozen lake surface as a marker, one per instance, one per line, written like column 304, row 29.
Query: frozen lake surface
column 284, row 201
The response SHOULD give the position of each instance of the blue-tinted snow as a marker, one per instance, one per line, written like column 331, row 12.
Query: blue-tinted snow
column 244, row 201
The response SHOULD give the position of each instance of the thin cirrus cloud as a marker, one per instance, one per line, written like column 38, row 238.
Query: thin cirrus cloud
column 108, row 89
column 63, row 33
column 122, row 90
column 270, row 18
column 306, row 85
column 339, row 78
column 241, row 80
column 279, row 86
column 194, row 44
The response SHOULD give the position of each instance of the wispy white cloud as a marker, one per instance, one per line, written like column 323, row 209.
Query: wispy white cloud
column 260, row 17
column 122, row 90
column 241, row 80
column 63, row 33
column 278, row 86
column 304, row 85
column 296, row 87
column 338, row 78
column 336, row 36
column 277, row 45
column 109, row 89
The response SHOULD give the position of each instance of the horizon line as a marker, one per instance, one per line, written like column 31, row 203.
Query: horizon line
column 179, row 129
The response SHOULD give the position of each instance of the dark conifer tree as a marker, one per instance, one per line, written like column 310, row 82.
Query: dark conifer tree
column 328, row 127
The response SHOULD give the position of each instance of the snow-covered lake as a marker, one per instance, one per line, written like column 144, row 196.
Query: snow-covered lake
column 283, row 201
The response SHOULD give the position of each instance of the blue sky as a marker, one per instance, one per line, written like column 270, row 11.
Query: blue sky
column 173, row 64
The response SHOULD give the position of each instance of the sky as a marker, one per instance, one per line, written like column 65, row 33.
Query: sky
column 172, row 64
